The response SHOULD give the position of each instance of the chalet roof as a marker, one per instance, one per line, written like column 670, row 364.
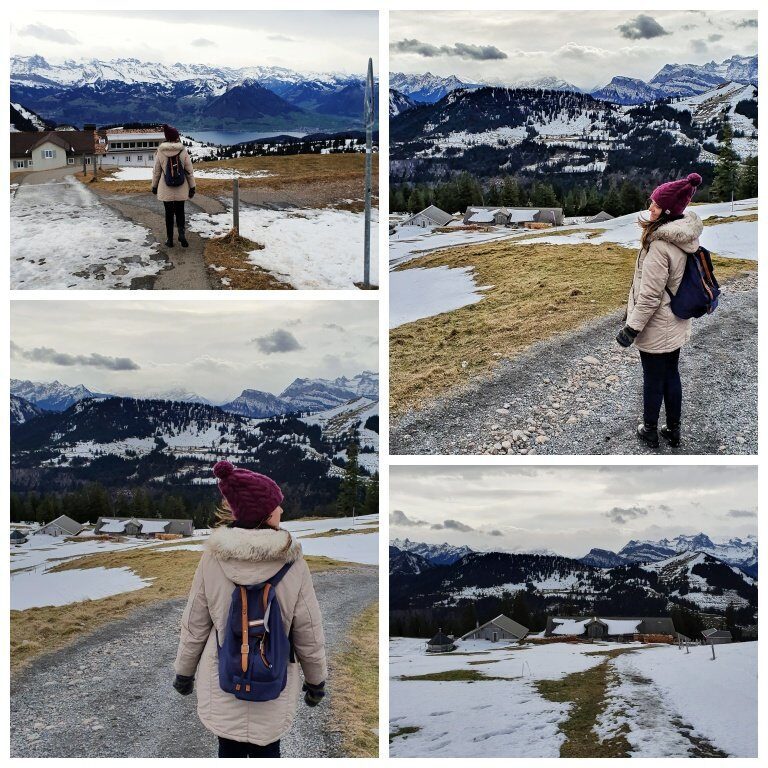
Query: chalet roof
column 436, row 214
column 440, row 639
column 17, row 534
column 646, row 625
column 66, row 524
column 148, row 525
column 505, row 623
column 715, row 633
column 77, row 142
column 602, row 216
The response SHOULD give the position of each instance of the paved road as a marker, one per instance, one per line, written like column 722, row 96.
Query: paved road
column 109, row 694
column 581, row 394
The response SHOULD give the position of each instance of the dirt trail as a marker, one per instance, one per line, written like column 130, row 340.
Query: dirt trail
column 109, row 694
column 186, row 270
column 581, row 394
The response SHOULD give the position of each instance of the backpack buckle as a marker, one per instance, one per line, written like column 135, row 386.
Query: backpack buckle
column 244, row 649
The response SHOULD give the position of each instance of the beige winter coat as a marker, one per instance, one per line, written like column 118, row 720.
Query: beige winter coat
column 164, row 192
column 239, row 556
column 662, row 265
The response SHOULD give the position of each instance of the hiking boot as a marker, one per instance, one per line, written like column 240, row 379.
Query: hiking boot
column 648, row 433
column 183, row 240
column 671, row 433
column 169, row 243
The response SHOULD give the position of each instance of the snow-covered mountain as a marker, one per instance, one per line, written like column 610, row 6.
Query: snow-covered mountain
column 399, row 102
column 179, row 395
column 680, row 80
column 549, row 83
column 23, row 410
column 52, row 396
column 257, row 404
column 321, row 394
column 403, row 563
column 427, row 88
column 436, row 554
column 23, row 119
column 190, row 95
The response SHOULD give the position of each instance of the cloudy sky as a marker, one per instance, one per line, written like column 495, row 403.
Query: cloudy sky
column 586, row 48
column 569, row 510
column 320, row 41
column 213, row 348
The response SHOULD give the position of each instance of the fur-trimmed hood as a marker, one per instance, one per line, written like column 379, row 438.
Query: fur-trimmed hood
column 680, row 232
column 254, row 544
column 168, row 148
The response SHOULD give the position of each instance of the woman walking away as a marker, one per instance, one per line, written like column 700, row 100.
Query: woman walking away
column 668, row 235
column 252, row 613
column 173, row 181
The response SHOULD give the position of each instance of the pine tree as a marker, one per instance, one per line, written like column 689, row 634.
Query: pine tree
column 347, row 502
column 726, row 167
column 748, row 179
column 371, row 500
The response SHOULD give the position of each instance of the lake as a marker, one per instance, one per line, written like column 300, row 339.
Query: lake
column 237, row 137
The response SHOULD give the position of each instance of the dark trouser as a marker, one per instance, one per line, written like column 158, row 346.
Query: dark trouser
column 174, row 208
column 661, row 382
column 230, row 748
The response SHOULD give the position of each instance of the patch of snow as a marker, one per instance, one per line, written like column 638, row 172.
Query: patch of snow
column 420, row 292
column 145, row 174
column 308, row 248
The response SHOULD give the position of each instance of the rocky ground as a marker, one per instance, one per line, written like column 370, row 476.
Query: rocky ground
column 109, row 694
column 582, row 394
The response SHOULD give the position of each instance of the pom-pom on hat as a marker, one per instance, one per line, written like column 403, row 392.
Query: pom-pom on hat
column 251, row 497
column 674, row 196
column 171, row 134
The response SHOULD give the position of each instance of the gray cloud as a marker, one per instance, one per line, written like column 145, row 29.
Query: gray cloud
column 333, row 327
column 642, row 27
column 282, row 38
column 495, row 532
column 746, row 23
column 277, row 342
column 41, row 32
column 699, row 46
column 742, row 513
column 64, row 359
column 714, row 38
column 399, row 518
column 203, row 42
column 621, row 515
column 460, row 50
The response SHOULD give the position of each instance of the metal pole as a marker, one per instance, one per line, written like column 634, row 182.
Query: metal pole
column 712, row 646
column 369, row 119
column 236, row 206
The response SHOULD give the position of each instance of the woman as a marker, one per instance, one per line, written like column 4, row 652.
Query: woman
column 668, row 235
column 250, row 549
column 172, row 162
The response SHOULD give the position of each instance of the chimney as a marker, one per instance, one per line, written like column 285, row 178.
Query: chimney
column 89, row 127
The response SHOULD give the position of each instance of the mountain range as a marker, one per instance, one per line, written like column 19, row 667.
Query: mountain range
column 671, row 81
column 691, row 579
column 435, row 554
column 192, row 96
column 302, row 395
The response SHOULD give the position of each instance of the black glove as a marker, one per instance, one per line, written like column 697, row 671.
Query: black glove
column 154, row 190
column 626, row 336
column 191, row 193
column 313, row 694
column 184, row 684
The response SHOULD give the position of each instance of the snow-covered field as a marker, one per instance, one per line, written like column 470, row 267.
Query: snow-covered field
column 667, row 698
column 63, row 237
column 417, row 293
column 308, row 248
column 145, row 174
column 33, row 585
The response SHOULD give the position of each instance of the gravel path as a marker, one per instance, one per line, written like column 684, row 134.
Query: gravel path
column 581, row 394
column 109, row 694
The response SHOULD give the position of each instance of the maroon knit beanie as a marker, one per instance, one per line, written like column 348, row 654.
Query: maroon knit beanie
column 171, row 134
column 251, row 497
column 674, row 196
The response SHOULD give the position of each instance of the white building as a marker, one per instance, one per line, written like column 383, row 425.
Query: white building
column 126, row 147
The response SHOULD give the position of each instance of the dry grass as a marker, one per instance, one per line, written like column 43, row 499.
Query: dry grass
column 538, row 290
column 340, row 532
column 711, row 221
column 288, row 170
column 356, row 687
column 454, row 676
column 586, row 691
column 41, row 630
column 226, row 258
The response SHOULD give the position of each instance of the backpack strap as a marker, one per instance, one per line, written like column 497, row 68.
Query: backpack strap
column 244, row 647
column 273, row 582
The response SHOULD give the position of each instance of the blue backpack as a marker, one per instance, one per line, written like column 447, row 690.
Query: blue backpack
column 174, row 171
column 253, row 660
column 699, row 290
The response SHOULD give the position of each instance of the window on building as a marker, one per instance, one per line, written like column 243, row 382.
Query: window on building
column 70, row 161
column 49, row 153
column 139, row 157
column 127, row 158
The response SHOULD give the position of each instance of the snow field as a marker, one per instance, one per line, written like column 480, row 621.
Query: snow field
column 145, row 174
column 63, row 237
column 309, row 248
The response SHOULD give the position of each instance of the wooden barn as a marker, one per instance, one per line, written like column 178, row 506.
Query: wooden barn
column 432, row 216
column 146, row 528
column 716, row 636
column 61, row 526
column 513, row 217
column 605, row 628
column 500, row 628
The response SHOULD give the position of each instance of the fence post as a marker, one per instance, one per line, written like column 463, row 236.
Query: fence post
column 85, row 165
column 236, row 206
column 712, row 646
column 370, row 114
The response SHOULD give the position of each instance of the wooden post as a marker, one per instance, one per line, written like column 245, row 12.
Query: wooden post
column 94, row 166
column 236, row 206
column 712, row 646
column 370, row 115
column 85, row 165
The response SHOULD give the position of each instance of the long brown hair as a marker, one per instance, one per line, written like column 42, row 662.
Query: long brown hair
column 225, row 517
column 649, row 227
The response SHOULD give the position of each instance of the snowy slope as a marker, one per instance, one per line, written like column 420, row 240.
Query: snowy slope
column 437, row 554
column 23, row 410
column 53, row 395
